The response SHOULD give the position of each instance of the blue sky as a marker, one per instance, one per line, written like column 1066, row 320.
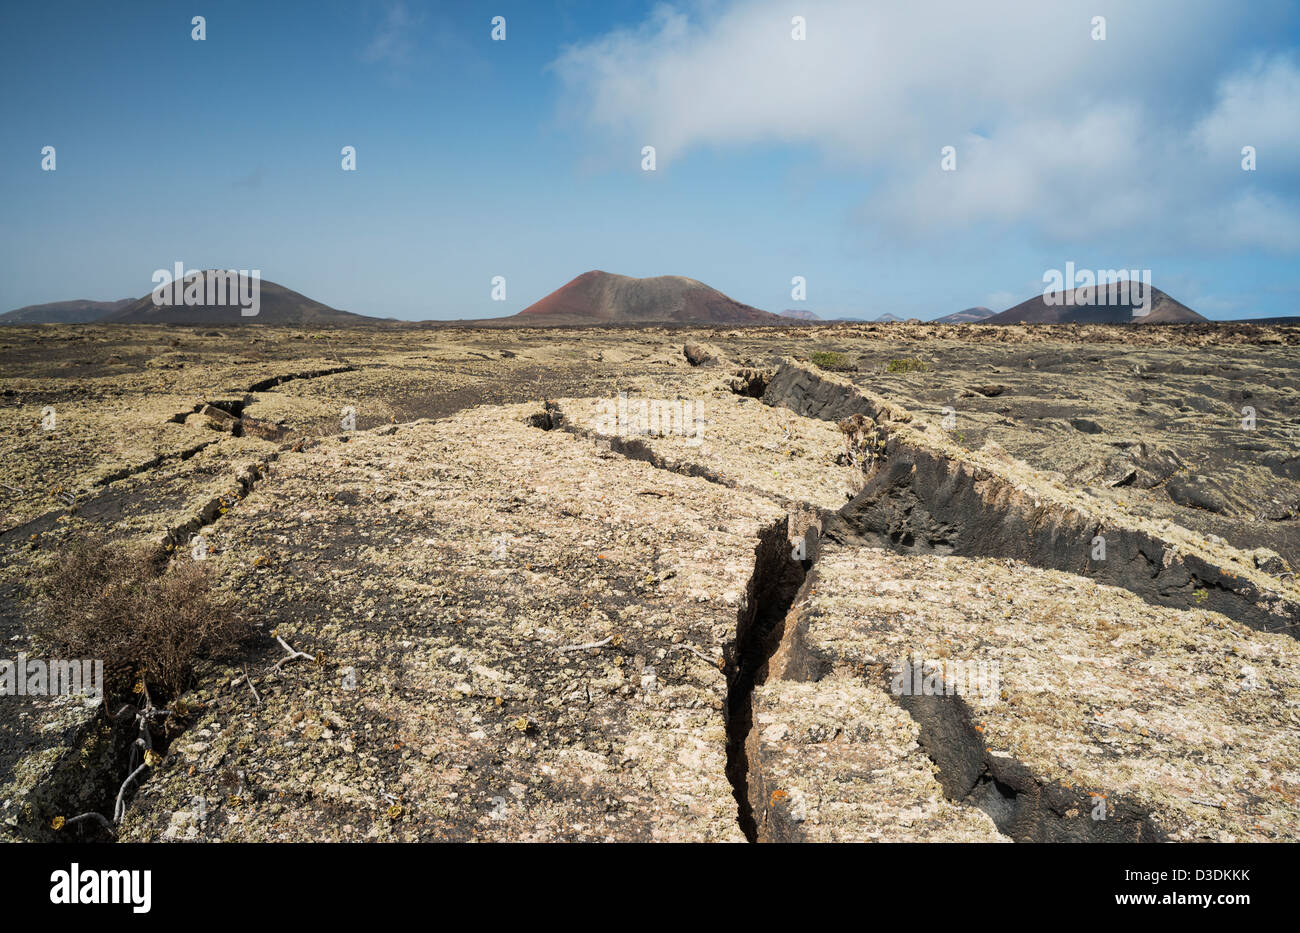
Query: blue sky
column 775, row 157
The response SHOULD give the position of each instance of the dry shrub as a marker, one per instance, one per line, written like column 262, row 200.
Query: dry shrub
column 863, row 441
column 113, row 603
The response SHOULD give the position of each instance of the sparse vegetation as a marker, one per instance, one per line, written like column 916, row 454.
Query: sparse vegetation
column 147, row 624
column 863, row 441
column 302, row 548
column 908, row 364
column 833, row 360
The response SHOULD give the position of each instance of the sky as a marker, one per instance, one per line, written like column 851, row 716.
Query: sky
column 775, row 156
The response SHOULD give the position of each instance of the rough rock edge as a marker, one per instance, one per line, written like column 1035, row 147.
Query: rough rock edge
column 1000, row 507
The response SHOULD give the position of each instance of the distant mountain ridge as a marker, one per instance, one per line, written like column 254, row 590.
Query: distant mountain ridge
column 277, row 306
column 814, row 318
column 78, row 311
column 966, row 316
column 594, row 298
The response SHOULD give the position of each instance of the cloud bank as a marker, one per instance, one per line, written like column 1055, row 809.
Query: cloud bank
column 1138, row 136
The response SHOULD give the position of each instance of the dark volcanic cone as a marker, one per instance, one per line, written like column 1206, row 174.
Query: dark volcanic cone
column 605, row 298
column 279, row 306
column 1164, row 310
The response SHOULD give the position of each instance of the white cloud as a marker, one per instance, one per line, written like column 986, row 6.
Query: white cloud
column 1055, row 132
column 1258, row 106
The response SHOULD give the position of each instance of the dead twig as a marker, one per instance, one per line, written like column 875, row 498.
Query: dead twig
column 293, row 655
column 144, row 715
column 248, row 680
column 119, row 808
column 590, row 644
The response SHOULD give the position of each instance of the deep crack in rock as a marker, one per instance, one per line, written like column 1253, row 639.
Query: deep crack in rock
column 274, row 381
column 1022, row 806
column 772, row 588
column 920, row 500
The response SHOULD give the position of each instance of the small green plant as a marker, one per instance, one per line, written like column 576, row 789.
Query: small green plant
column 907, row 365
column 832, row 360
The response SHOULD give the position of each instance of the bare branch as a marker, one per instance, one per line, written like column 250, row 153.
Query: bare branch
column 119, row 808
column 103, row 821
column 248, row 680
column 292, row 654
column 590, row 644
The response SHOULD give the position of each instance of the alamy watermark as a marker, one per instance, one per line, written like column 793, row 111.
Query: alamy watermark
column 973, row 680
column 178, row 288
column 1105, row 287
column 103, row 886
column 624, row 417
column 56, row 677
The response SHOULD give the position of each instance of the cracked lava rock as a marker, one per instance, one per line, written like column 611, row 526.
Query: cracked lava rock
column 771, row 603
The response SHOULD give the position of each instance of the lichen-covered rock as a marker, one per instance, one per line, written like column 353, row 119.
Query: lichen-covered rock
column 517, row 636
column 1060, row 708
column 525, row 626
